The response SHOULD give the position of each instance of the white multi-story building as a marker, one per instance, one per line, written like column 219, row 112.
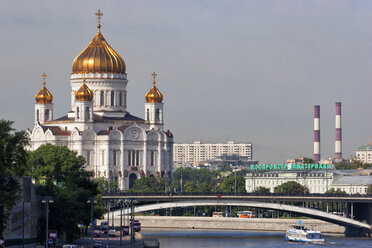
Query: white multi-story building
column 317, row 182
column 115, row 144
column 201, row 152
column 364, row 153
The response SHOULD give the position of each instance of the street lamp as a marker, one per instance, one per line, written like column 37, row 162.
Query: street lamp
column 91, row 201
column 47, row 200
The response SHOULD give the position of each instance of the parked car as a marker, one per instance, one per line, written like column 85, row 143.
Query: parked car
column 69, row 246
column 97, row 233
column 112, row 232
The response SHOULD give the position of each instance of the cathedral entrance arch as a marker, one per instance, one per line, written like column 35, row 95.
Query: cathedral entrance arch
column 132, row 179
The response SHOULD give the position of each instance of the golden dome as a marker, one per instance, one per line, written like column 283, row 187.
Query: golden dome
column 154, row 95
column 98, row 56
column 44, row 95
column 84, row 93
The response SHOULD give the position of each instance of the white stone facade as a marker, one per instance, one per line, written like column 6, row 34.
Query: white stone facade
column 316, row 181
column 364, row 153
column 200, row 152
column 114, row 143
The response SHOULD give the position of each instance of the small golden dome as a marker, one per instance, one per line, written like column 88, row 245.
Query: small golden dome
column 98, row 56
column 154, row 95
column 84, row 93
column 44, row 95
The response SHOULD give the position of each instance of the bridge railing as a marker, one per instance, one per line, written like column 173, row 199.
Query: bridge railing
column 221, row 194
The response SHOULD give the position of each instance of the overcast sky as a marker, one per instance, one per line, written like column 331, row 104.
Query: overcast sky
column 249, row 71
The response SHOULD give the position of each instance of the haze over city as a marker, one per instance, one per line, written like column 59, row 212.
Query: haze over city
column 249, row 71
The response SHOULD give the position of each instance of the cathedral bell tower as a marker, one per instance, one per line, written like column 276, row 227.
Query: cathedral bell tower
column 44, row 105
column 84, row 104
column 154, row 106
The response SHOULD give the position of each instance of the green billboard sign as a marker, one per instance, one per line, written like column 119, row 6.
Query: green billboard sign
column 290, row 167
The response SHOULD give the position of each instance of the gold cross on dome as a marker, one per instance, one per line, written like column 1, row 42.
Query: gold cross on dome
column 44, row 76
column 154, row 76
column 99, row 14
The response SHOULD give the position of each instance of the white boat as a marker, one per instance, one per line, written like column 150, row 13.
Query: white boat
column 299, row 233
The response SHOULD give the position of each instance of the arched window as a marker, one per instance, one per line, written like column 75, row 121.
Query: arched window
column 101, row 101
column 112, row 98
column 157, row 115
column 37, row 115
column 77, row 113
column 88, row 157
column 47, row 114
column 148, row 114
column 87, row 114
column 120, row 99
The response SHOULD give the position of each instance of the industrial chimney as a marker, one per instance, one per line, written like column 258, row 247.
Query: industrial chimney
column 338, row 143
column 316, row 133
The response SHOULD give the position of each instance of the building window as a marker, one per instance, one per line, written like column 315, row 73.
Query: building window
column 112, row 98
column 103, row 157
column 129, row 158
column 137, row 158
column 157, row 115
column 152, row 158
column 101, row 100
column 114, row 158
column 88, row 157
column 120, row 99
column 77, row 113
column 87, row 113
column 148, row 114
column 37, row 115
column 47, row 114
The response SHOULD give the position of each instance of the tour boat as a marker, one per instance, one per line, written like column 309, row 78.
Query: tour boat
column 299, row 233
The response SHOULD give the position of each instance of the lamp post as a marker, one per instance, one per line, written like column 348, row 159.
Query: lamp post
column 235, row 179
column 91, row 201
column 47, row 200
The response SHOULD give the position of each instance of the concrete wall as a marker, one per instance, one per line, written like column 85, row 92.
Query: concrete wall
column 254, row 224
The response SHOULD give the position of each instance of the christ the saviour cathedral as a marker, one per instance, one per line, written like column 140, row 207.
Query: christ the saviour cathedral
column 115, row 144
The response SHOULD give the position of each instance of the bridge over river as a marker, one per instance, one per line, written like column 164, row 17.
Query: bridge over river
column 358, row 218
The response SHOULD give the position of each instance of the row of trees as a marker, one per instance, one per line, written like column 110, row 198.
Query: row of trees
column 61, row 175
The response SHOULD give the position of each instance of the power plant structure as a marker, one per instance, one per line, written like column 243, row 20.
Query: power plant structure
column 338, row 137
column 316, row 133
column 338, row 140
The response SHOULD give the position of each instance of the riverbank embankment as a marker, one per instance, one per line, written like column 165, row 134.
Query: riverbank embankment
column 250, row 224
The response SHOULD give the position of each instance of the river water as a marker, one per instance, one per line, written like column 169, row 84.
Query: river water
column 237, row 239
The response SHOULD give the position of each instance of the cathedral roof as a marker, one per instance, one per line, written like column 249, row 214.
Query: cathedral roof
column 154, row 95
column 56, row 130
column 44, row 95
column 98, row 56
column 84, row 93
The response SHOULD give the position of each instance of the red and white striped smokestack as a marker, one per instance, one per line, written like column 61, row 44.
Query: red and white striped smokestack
column 316, row 133
column 338, row 141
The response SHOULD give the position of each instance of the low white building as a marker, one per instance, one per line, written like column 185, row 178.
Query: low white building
column 364, row 153
column 315, row 181
column 192, row 153
column 318, row 182
column 353, row 184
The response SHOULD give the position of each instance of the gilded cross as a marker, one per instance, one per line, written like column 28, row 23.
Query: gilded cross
column 99, row 14
column 154, row 76
column 44, row 76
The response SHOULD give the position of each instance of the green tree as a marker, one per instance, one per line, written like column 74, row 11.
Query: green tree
column 290, row 187
column 338, row 191
column 228, row 185
column 308, row 161
column 263, row 190
column 149, row 185
column 68, row 183
column 369, row 191
column 12, row 165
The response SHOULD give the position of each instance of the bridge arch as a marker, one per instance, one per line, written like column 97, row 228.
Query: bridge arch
column 313, row 213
